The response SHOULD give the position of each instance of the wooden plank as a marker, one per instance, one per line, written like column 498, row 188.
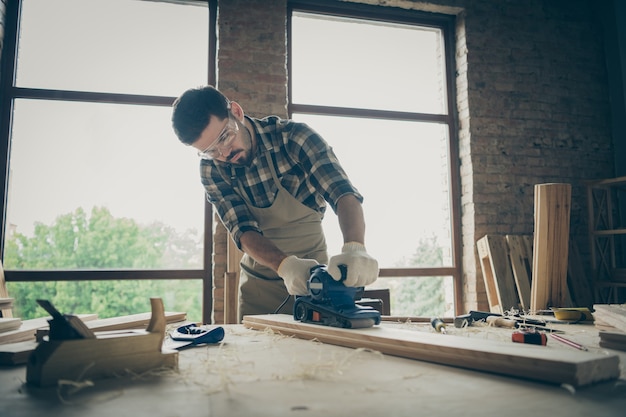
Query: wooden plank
column 613, row 340
column 534, row 362
column 231, row 298
column 132, row 321
column 550, row 247
column 497, row 273
column 6, row 302
column 8, row 324
column 521, row 256
column 611, row 314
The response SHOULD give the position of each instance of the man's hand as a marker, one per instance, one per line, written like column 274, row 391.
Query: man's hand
column 296, row 272
column 362, row 268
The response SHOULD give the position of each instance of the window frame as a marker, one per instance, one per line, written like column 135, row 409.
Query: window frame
column 446, row 23
column 9, row 93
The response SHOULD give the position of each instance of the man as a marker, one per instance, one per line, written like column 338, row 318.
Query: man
column 269, row 180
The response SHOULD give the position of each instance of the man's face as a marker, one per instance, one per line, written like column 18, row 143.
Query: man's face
column 226, row 140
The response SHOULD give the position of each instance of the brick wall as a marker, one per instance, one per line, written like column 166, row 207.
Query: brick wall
column 252, row 70
column 538, row 113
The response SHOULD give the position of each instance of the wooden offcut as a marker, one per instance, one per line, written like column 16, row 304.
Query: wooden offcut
column 497, row 274
column 521, row 257
column 611, row 314
column 8, row 324
column 539, row 363
column 550, row 247
column 613, row 340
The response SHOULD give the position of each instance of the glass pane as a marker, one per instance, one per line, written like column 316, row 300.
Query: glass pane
column 107, row 298
column 116, row 46
column 419, row 296
column 401, row 168
column 362, row 64
column 101, row 186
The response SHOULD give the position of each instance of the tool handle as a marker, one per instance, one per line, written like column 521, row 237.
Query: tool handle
column 438, row 324
column 501, row 322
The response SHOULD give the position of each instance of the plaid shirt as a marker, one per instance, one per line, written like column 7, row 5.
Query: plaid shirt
column 306, row 167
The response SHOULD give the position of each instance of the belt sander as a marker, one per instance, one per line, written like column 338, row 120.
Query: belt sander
column 332, row 303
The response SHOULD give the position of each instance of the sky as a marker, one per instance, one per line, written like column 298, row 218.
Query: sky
column 69, row 155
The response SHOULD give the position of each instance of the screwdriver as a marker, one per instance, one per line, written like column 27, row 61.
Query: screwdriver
column 438, row 325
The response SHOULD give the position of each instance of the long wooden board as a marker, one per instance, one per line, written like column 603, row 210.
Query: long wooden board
column 540, row 363
column 550, row 247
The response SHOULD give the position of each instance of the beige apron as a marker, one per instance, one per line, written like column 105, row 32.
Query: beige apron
column 296, row 230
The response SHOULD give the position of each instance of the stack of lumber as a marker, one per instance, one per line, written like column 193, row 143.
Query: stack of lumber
column 613, row 317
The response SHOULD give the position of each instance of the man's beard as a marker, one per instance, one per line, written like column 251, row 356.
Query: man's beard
column 243, row 155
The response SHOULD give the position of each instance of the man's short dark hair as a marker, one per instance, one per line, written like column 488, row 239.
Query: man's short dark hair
column 193, row 110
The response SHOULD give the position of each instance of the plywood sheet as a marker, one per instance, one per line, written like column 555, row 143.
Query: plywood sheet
column 512, row 359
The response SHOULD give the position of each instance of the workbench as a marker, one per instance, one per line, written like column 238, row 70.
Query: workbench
column 261, row 373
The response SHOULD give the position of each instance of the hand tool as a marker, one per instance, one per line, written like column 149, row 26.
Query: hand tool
column 474, row 316
column 513, row 323
column 192, row 334
column 65, row 326
column 331, row 303
column 529, row 336
column 438, row 325
column 468, row 319
column 501, row 322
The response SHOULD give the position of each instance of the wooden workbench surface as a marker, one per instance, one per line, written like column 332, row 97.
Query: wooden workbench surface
column 255, row 373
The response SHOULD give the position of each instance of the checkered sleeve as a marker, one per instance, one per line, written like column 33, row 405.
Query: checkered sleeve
column 316, row 157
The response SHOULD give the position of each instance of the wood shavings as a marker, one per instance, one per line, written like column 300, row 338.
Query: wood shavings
column 329, row 369
column 569, row 388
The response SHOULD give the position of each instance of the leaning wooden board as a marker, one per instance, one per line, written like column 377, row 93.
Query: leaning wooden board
column 577, row 368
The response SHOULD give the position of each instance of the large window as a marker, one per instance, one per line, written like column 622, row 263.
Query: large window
column 98, row 187
column 377, row 87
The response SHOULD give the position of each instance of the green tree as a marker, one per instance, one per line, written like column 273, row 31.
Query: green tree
column 420, row 296
column 100, row 241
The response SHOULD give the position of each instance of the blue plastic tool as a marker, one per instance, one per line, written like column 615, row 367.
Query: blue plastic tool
column 196, row 335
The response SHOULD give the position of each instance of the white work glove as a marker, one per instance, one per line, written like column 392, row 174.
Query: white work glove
column 362, row 269
column 296, row 273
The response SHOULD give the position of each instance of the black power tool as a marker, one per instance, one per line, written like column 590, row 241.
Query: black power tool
column 331, row 303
